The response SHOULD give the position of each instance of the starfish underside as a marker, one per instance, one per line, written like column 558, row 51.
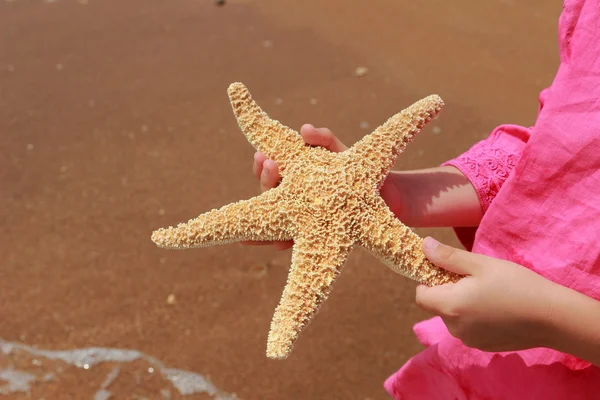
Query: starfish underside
column 326, row 202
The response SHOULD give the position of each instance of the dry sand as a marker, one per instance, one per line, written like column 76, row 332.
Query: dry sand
column 114, row 121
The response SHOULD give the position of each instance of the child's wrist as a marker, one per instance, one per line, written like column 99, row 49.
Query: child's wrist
column 541, row 313
column 571, row 323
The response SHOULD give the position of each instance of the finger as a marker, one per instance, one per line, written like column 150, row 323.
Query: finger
column 257, row 166
column 335, row 144
column 283, row 245
column 269, row 177
column 435, row 300
column 255, row 243
column 451, row 259
column 322, row 137
column 423, row 301
column 277, row 245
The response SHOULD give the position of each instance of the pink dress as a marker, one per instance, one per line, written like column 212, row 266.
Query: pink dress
column 540, row 190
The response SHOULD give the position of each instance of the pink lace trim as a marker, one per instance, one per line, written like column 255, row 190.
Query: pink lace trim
column 487, row 167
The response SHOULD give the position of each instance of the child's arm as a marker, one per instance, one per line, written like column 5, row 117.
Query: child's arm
column 574, row 323
column 441, row 197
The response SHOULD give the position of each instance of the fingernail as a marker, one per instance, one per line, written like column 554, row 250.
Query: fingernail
column 430, row 243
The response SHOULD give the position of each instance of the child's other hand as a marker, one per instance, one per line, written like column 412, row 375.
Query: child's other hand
column 266, row 170
column 268, row 175
column 498, row 306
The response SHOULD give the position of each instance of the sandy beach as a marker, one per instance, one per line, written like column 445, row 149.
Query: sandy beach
column 114, row 121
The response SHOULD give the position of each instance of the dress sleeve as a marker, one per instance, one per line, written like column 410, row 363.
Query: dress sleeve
column 489, row 162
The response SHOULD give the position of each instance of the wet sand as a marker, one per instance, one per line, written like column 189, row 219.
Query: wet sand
column 114, row 121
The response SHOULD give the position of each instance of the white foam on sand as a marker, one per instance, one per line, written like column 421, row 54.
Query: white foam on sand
column 13, row 380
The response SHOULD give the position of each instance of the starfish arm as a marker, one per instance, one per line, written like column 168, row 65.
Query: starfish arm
column 396, row 245
column 378, row 151
column 315, row 266
column 278, row 142
column 258, row 218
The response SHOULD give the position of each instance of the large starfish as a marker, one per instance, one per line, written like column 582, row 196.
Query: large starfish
column 326, row 202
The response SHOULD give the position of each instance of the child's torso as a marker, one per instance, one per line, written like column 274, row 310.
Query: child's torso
column 547, row 214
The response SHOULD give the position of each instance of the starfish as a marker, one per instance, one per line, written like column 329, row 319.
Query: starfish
column 326, row 203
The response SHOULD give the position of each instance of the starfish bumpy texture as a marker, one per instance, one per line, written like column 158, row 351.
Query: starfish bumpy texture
column 326, row 202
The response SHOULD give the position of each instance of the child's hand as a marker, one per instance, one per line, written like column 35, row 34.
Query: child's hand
column 266, row 170
column 499, row 306
column 268, row 175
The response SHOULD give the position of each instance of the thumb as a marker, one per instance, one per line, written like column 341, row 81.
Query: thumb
column 451, row 259
column 322, row 137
